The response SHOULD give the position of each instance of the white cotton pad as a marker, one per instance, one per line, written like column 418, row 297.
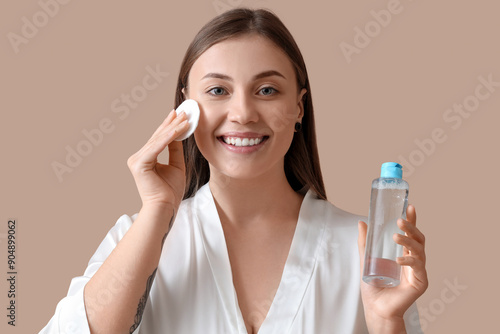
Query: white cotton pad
column 190, row 107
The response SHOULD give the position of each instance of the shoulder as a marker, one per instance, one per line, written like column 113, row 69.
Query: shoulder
column 187, row 210
column 339, row 230
column 331, row 213
column 337, row 253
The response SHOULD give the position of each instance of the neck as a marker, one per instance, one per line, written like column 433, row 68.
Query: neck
column 250, row 201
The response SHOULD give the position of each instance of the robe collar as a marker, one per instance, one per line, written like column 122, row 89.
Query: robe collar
column 297, row 271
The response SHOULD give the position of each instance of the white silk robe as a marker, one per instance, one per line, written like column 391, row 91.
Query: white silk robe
column 193, row 290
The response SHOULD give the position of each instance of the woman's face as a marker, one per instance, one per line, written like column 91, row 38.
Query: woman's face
column 247, row 91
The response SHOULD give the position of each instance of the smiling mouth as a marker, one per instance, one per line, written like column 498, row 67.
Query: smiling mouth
column 244, row 142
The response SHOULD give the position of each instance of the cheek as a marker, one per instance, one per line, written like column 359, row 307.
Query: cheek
column 209, row 117
column 207, row 124
column 281, row 119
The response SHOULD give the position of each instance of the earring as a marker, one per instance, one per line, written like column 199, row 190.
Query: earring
column 298, row 126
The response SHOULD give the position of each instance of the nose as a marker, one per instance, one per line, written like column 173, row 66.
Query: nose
column 242, row 109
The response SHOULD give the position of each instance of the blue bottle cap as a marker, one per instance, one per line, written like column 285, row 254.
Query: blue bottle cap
column 392, row 170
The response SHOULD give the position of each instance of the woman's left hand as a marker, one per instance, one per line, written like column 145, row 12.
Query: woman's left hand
column 386, row 306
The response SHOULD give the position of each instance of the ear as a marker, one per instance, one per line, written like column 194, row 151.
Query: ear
column 183, row 90
column 300, row 104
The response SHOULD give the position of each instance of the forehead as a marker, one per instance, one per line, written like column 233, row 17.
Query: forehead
column 242, row 57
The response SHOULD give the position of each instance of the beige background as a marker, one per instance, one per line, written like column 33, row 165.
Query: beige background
column 372, row 109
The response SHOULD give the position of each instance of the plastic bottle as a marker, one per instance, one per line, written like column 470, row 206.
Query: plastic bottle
column 388, row 202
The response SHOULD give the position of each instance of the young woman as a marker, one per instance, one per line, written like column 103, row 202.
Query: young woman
column 235, row 234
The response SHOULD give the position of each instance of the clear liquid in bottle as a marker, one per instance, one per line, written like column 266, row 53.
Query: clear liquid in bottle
column 388, row 202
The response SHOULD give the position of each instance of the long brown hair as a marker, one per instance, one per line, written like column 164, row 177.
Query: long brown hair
column 302, row 167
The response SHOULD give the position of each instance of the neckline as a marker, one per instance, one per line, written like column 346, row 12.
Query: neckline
column 296, row 274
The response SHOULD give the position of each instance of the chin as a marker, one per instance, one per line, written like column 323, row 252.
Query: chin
column 241, row 174
column 241, row 171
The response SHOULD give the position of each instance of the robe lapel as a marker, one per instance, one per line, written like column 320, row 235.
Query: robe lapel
column 299, row 267
column 297, row 272
column 216, row 249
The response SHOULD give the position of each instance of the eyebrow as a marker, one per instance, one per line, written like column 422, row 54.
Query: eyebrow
column 264, row 74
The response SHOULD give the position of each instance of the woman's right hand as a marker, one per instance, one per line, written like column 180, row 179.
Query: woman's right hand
column 159, row 184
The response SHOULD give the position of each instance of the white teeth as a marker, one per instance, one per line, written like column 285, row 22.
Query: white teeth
column 236, row 141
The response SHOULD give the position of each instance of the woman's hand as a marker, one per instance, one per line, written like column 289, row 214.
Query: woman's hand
column 386, row 306
column 159, row 184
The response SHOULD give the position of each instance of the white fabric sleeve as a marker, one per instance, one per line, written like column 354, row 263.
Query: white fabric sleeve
column 70, row 316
